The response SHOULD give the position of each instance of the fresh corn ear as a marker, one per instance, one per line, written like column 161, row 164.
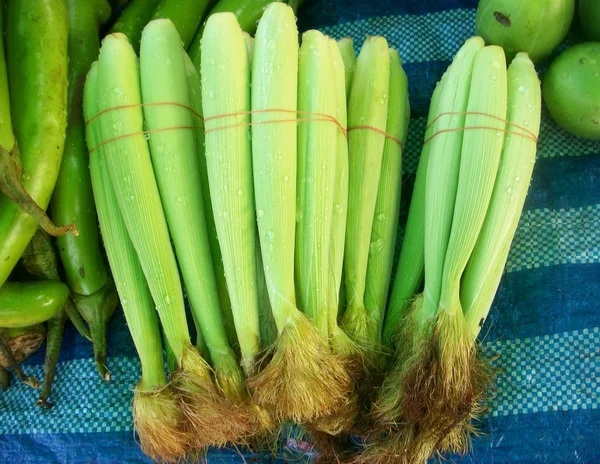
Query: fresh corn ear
column 274, row 85
column 249, row 40
column 134, row 183
column 303, row 380
column 317, row 152
column 346, row 46
column 387, row 207
column 340, row 341
column 367, row 107
column 399, row 331
column 409, row 272
column 159, row 439
column 195, row 92
column 401, row 398
column 486, row 264
column 139, row 201
column 177, row 171
column 226, row 104
column 456, row 379
column 442, row 170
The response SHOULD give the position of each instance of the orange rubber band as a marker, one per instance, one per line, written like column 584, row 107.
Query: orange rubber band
column 152, row 131
column 379, row 131
column 122, row 107
column 320, row 117
column 528, row 134
column 456, row 129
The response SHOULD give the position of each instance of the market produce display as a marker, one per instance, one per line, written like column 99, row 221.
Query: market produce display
column 234, row 186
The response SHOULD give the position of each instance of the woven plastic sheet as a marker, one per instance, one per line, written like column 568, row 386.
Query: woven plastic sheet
column 544, row 328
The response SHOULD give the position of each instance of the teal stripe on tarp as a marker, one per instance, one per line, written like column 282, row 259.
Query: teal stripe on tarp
column 565, row 365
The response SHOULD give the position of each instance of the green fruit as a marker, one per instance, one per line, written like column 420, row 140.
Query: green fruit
column 572, row 90
column 532, row 26
column 589, row 17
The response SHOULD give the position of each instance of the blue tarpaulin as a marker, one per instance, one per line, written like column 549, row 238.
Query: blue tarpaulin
column 544, row 326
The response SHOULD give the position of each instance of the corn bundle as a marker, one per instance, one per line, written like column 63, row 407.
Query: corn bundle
column 266, row 183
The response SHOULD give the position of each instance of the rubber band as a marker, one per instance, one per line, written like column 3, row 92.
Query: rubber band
column 133, row 134
column 456, row 129
column 379, row 131
column 320, row 117
column 528, row 134
column 258, row 123
column 122, row 107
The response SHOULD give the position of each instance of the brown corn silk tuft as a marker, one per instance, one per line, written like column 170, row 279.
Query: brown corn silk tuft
column 212, row 419
column 303, row 380
column 160, row 424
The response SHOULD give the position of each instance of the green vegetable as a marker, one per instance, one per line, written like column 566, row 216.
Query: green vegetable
column 157, row 416
column 486, row 264
column 177, row 171
column 400, row 406
column 302, row 380
column 346, row 45
column 340, row 342
column 195, row 93
column 133, row 180
column 86, row 271
column 409, row 273
column 56, row 326
column 133, row 19
column 589, row 17
column 317, row 153
column 532, row 26
column 442, row 172
column 186, row 15
column 571, row 90
column 387, row 208
column 367, row 107
column 23, row 304
column 274, row 152
column 452, row 368
column 226, row 90
column 247, row 14
column 36, row 56
column 40, row 259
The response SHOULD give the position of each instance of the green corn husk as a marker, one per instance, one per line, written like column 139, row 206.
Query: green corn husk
column 409, row 272
column 346, row 45
column 138, row 197
column 177, row 170
column 367, row 107
column 302, row 380
column 195, row 93
column 226, row 90
column 157, row 417
column 387, row 208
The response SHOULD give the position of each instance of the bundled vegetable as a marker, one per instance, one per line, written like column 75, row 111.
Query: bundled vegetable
column 387, row 207
column 367, row 116
column 157, row 416
column 82, row 257
column 177, row 171
column 36, row 58
column 206, row 410
column 226, row 102
column 439, row 378
column 346, row 46
column 302, row 380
